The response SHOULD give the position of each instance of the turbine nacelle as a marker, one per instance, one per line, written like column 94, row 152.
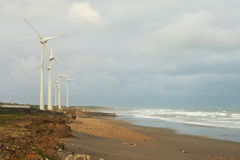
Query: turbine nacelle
column 61, row 75
column 48, row 68
column 56, row 83
column 51, row 58
column 44, row 40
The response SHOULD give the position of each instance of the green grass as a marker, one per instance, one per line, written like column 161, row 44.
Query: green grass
column 5, row 117
column 43, row 155
column 16, row 117
column 59, row 121
column 7, row 144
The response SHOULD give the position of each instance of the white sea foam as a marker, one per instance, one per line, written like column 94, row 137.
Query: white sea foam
column 227, row 118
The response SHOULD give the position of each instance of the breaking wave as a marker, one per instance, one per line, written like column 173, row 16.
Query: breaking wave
column 217, row 117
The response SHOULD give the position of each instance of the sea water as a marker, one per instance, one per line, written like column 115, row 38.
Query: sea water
column 219, row 123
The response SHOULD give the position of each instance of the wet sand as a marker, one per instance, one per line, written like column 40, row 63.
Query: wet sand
column 118, row 140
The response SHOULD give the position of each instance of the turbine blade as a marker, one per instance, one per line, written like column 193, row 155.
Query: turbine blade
column 60, row 62
column 62, row 75
column 47, row 68
column 46, row 61
column 66, row 76
column 54, row 72
column 50, row 64
column 51, row 50
column 49, row 38
column 34, row 30
column 38, row 67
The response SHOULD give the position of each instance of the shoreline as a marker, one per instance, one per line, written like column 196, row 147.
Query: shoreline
column 213, row 132
column 173, row 119
column 163, row 143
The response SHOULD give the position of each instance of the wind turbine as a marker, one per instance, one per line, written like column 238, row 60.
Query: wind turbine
column 68, row 79
column 59, row 91
column 50, row 60
column 43, row 41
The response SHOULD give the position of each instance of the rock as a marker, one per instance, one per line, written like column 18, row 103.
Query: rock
column 82, row 157
column 130, row 144
column 185, row 152
column 88, row 157
column 69, row 116
column 69, row 157
column 33, row 147
column 15, row 135
column 7, row 157
column 96, row 114
column 30, row 156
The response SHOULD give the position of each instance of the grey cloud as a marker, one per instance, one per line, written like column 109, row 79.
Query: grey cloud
column 195, row 31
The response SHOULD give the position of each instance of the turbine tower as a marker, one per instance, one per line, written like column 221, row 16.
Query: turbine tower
column 56, row 91
column 67, row 88
column 50, row 86
column 59, row 91
column 50, row 60
column 43, row 41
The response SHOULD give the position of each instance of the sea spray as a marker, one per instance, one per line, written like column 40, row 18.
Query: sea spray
column 214, row 117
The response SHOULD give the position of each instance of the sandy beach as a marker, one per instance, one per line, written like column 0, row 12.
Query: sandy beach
column 112, row 139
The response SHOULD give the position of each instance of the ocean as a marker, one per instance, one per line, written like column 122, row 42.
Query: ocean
column 218, row 123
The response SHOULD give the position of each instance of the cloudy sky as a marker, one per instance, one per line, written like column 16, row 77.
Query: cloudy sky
column 128, row 53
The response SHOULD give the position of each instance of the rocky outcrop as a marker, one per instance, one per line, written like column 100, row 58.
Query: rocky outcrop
column 32, row 134
column 73, row 113
column 80, row 157
column 61, row 129
column 96, row 114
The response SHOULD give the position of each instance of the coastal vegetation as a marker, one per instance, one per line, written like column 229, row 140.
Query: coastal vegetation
column 31, row 133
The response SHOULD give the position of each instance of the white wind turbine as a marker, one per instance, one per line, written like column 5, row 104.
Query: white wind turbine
column 50, row 60
column 59, row 91
column 43, row 41
column 68, row 79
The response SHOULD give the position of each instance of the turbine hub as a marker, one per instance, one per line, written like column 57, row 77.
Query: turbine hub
column 43, row 41
column 51, row 58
